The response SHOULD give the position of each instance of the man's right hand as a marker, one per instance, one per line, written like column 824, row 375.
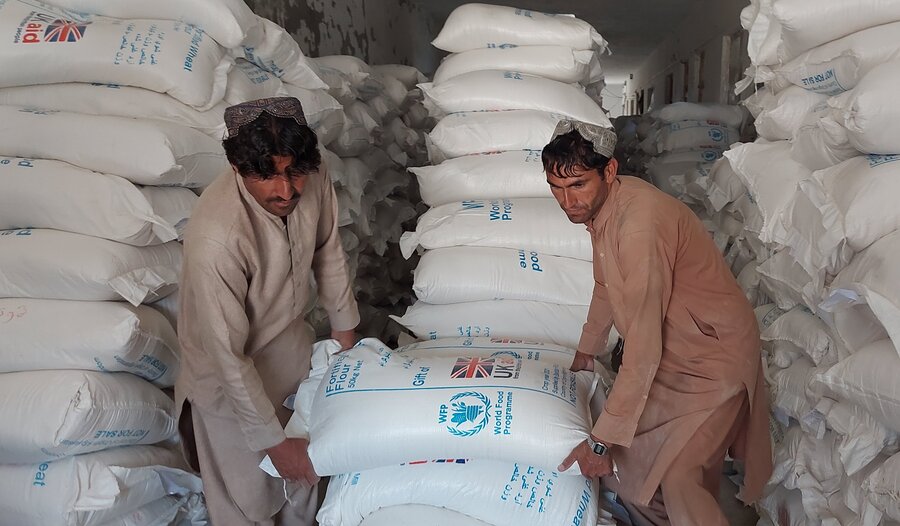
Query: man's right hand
column 291, row 459
column 582, row 362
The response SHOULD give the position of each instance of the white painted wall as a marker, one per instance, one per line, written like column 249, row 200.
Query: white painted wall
column 701, row 33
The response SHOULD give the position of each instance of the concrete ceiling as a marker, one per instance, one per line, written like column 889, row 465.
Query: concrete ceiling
column 634, row 28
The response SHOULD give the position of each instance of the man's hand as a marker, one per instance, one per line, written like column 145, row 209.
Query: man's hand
column 291, row 459
column 591, row 464
column 347, row 339
column 582, row 362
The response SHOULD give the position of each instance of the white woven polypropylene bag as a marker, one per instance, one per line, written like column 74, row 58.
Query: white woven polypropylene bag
column 149, row 152
column 458, row 403
column 56, row 414
column 694, row 135
column 115, row 100
column 842, row 210
column 408, row 75
column 868, row 379
column 883, row 486
column 532, row 320
column 724, row 186
column 822, row 143
column 783, row 29
column 510, row 90
column 477, row 26
column 104, row 336
column 46, row 45
column 247, row 81
column 513, row 174
column 494, row 492
column 467, row 133
column 730, row 116
column 865, row 297
column 779, row 116
column 537, row 224
column 771, row 188
column 226, row 21
column 869, row 111
column 51, row 264
column 802, row 328
column 462, row 274
column 273, row 49
column 90, row 203
column 837, row 66
column 93, row 489
column 553, row 62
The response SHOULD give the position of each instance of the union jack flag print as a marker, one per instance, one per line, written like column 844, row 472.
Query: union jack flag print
column 472, row 368
column 65, row 31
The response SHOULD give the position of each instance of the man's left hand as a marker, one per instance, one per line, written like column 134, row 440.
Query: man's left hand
column 591, row 464
column 347, row 339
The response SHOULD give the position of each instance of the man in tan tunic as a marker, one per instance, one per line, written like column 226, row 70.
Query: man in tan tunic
column 253, row 240
column 690, row 387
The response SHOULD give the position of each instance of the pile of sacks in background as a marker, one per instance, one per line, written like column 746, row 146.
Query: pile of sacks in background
column 450, row 428
column 383, row 134
column 811, row 210
column 680, row 142
column 502, row 258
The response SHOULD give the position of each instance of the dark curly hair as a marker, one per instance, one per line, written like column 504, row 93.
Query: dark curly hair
column 570, row 151
column 251, row 150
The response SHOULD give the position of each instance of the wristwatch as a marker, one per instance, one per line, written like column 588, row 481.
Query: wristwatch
column 599, row 448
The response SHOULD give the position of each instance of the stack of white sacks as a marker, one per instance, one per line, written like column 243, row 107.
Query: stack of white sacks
column 811, row 207
column 680, row 143
column 502, row 259
column 383, row 136
column 110, row 128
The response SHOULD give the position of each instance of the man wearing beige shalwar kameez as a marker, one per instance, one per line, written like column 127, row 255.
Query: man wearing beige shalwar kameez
column 690, row 387
column 254, row 238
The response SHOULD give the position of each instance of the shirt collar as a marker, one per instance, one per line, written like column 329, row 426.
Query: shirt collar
column 606, row 211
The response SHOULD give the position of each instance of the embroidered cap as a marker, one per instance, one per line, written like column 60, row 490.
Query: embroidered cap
column 247, row 112
column 603, row 139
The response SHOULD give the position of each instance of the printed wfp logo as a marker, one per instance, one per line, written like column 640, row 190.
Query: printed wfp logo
column 42, row 27
column 468, row 413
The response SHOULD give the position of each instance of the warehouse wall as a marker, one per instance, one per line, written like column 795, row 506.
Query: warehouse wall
column 377, row 31
column 703, row 34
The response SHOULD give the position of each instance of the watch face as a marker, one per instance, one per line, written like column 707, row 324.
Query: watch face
column 600, row 449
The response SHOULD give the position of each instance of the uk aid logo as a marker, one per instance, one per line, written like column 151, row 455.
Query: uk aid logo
column 43, row 27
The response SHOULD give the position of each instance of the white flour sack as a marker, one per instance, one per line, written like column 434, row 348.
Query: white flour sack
column 93, row 489
column 869, row 111
column 56, row 414
column 770, row 188
column 883, row 486
column 695, row 135
column 88, row 335
column 537, row 224
column 121, row 101
column 477, row 26
column 779, row 116
column 91, row 203
column 494, row 492
column 51, row 264
column 837, row 66
column 723, row 185
column 324, row 114
column 510, row 90
column 467, row 133
column 247, row 81
column 271, row 47
column 822, row 143
column 553, row 62
column 782, row 29
column 803, row 329
column 419, row 514
column 532, row 320
column 227, row 21
column 513, row 174
column 873, row 279
column 842, row 210
column 868, row 378
column 408, row 75
column 545, row 352
column 146, row 152
column 468, row 404
column 461, row 274
column 730, row 116
column 45, row 45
